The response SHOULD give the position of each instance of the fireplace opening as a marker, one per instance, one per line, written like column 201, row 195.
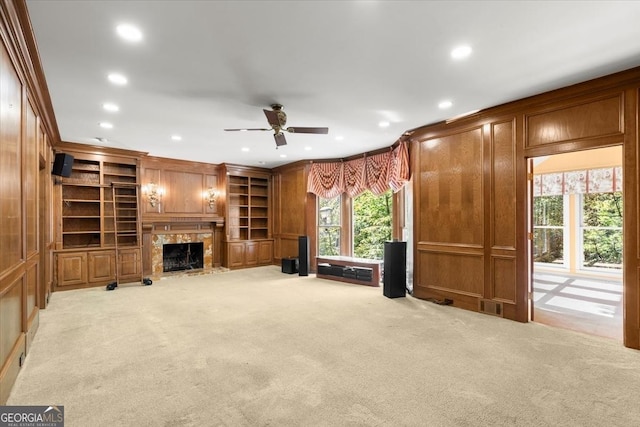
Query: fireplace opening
column 182, row 256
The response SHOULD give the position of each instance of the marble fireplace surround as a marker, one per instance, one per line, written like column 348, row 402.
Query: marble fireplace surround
column 182, row 232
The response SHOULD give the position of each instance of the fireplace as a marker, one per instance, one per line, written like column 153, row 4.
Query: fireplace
column 182, row 256
column 208, row 234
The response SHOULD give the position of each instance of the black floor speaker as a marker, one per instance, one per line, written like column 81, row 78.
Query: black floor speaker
column 395, row 269
column 62, row 165
column 303, row 256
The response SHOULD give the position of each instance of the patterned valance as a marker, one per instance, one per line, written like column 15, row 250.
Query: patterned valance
column 326, row 179
column 603, row 180
column 376, row 173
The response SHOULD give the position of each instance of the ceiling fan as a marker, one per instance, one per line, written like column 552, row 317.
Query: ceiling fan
column 278, row 120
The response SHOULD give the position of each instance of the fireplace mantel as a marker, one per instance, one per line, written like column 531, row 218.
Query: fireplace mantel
column 181, row 225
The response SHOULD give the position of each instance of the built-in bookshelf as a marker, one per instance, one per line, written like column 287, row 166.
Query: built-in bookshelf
column 88, row 231
column 82, row 206
column 248, row 201
column 248, row 224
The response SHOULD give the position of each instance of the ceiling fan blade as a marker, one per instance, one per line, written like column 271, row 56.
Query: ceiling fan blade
column 272, row 117
column 244, row 129
column 280, row 140
column 307, row 130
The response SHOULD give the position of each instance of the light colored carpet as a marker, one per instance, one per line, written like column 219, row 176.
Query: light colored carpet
column 260, row 348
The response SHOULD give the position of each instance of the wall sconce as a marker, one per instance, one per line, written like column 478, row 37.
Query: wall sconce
column 154, row 194
column 210, row 196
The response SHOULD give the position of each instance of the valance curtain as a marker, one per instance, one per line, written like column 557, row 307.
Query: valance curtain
column 355, row 178
column 603, row 180
column 376, row 173
column 326, row 179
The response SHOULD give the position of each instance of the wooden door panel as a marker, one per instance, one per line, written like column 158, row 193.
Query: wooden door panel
column 72, row 268
column 236, row 254
column 130, row 265
column 265, row 252
column 251, row 253
column 102, row 266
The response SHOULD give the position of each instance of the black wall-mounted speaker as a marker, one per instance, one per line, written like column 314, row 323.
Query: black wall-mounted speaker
column 395, row 269
column 62, row 165
column 303, row 256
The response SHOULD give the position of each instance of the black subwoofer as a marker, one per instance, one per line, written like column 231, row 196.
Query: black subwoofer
column 290, row 265
column 395, row 269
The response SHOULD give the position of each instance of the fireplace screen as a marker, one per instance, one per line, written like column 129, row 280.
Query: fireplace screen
column 182, row 256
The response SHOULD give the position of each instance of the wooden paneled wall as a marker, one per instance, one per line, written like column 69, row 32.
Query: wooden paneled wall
column 183, row 184
column 465, row 229
column 470, row 187
column 294, row 211
column 26, row 129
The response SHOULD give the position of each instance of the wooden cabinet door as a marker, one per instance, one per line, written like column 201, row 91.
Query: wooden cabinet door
column 236, row 254
column 251, row 253
column 265, row 252
column 129, row 264
column 72, row 268
column 102, row 266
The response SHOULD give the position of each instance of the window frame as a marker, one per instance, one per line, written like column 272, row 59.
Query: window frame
column 320, row 226
column 566, row 239
column 580, row 241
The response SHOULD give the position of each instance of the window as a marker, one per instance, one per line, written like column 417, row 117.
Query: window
column 548, row 230
column 329, row 228
column 371, row 224
column 601, row 230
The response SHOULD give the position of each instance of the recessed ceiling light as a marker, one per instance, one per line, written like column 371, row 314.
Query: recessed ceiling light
column 384, row 124
column 245, row 149
column 106, row 125
column 445, row 104
column 129, row 32
column 307, row 148
column 109, row 106
column 339, row 138
column 117, row 79
column 176, row 137
column 461, row 52
column 283, row 155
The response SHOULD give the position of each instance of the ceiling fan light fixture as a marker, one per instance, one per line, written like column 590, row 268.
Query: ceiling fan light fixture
column 277, row 119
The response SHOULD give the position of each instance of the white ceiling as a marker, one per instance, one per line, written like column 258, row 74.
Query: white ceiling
column 203, row 66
